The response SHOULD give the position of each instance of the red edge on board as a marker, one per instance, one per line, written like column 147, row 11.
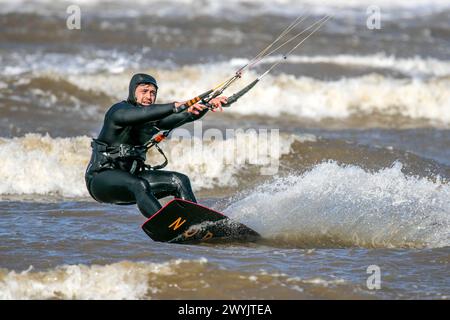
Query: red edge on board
column 183, row 201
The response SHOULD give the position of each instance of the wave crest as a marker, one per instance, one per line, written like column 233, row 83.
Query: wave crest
column 341, row 206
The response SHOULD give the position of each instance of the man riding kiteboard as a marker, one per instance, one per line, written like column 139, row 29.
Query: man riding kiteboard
column 117, row 172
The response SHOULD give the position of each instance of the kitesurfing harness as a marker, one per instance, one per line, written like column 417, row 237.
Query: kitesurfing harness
column 111, row 157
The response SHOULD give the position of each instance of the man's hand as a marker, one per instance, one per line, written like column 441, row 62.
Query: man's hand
column 217, row 102
column 192, row 109
column 195, row 108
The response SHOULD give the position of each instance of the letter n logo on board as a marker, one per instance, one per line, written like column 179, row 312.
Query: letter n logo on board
column 177, row 223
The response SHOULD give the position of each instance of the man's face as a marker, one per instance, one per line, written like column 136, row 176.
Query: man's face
column 145, row 94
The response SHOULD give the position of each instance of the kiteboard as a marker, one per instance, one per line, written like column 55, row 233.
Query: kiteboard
column 181, row 221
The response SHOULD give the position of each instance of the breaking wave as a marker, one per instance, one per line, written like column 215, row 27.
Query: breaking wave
column 36, row 164
column 422, row 96
column 342, row 206
column 122, row 280
column 175, row 279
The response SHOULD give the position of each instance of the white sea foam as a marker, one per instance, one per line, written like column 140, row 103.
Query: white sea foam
column 37, row 164
column 122, row 280
column 315, row 99
column 334, row 205
column 128, row 280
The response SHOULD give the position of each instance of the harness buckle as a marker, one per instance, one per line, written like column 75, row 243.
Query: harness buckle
column 123, row 150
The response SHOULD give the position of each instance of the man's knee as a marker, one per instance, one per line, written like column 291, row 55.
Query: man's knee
column 141, row 185
column 181, row 179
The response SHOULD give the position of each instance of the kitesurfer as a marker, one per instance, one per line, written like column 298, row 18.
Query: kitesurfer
column 117, row 172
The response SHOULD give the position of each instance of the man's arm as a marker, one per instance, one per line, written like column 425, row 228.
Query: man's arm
column 127, row 114
column 175, row 120
column 195, row 112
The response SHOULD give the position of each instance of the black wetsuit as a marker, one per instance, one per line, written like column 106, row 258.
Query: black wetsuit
column 126, row 180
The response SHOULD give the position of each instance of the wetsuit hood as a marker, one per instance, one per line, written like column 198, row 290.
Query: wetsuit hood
column 136, row 80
